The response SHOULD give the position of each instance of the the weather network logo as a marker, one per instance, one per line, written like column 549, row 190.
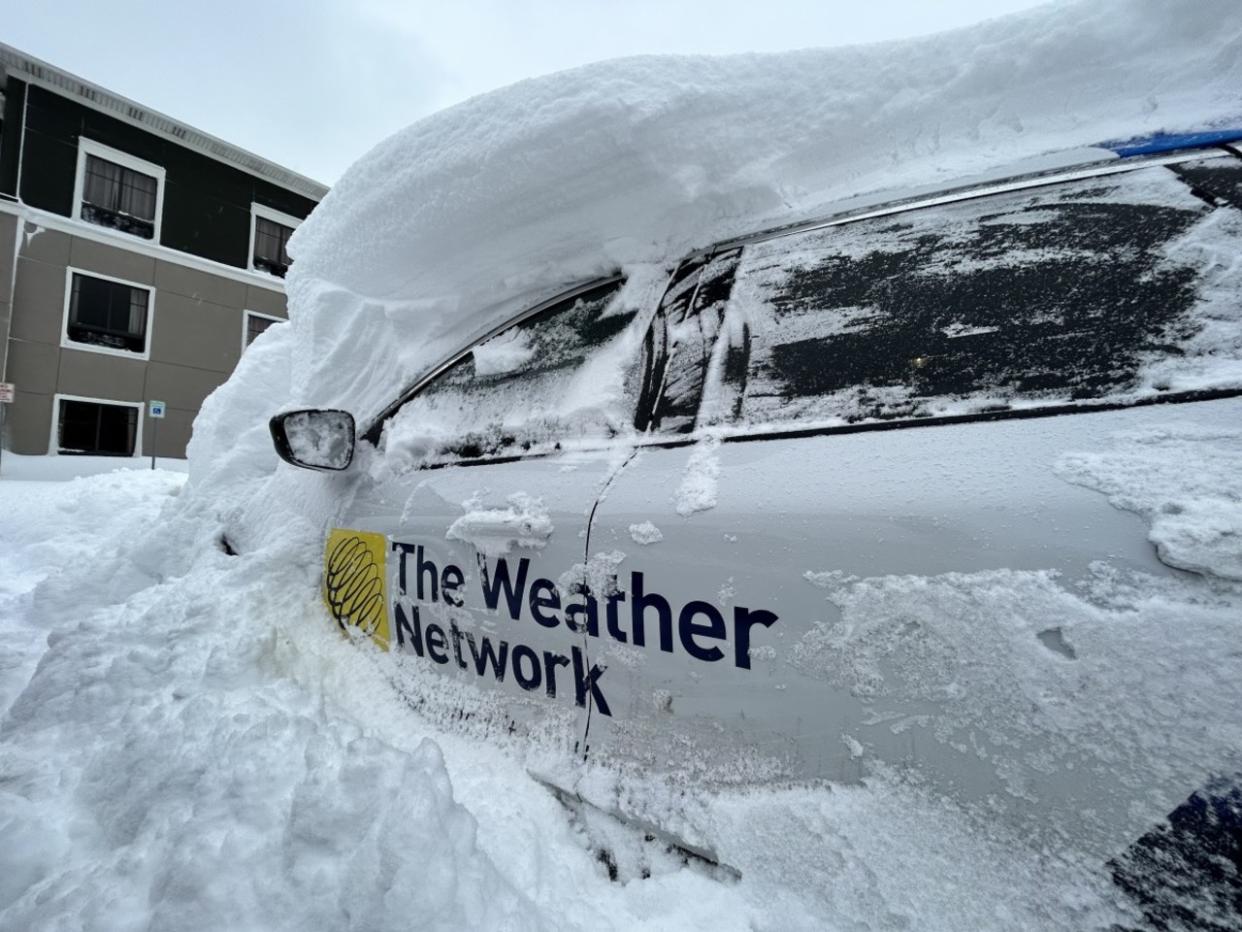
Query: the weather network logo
column 354, row 583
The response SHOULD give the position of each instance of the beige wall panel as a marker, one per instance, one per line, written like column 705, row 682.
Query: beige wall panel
column 195, row 333
column 190, row 283
column 32, row 366
column 38, row 301
column 180, row 386
column 50, row 246
column 8, row 233
column 109, row 260
column 6, row 313
column 28, row 423
column 265, row 301
column 97, row 375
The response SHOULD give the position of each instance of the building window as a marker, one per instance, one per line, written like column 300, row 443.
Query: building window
column 269, row 238
column 87, row 426
column 255, row 324
column 118, row 191
column 107, row 314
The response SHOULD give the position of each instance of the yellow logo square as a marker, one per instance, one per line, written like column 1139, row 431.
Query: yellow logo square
column 355, row 582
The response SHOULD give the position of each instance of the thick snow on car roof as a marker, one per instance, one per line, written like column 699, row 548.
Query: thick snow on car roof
column 465, row 215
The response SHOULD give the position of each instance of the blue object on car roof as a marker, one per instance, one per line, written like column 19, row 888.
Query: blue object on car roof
column 1167, row 142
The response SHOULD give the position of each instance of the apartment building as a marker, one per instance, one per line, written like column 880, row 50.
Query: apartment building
column 139, row 257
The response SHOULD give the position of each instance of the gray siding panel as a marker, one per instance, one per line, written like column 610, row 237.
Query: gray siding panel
column 45, row 245
column 195, row 333
column 181, row 387
column 38, row 301
column 28, row 423
column 33, row 366
column 191, row 283
column 97, row 375
column 265, row 301
column 109, row 260
column 6, row 314
column 8, row 233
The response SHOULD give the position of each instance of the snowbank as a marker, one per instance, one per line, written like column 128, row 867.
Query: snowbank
column 466, row 214
column 64, row 468
column 160, row 767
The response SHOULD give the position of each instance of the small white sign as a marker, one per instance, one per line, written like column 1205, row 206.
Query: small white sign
column 7, row 391
column 155, row 408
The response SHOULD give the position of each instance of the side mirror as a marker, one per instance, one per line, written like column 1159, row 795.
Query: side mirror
column 314, row 439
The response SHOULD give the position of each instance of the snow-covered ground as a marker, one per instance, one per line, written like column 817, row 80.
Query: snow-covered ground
column 187, row 743
column 61, row 468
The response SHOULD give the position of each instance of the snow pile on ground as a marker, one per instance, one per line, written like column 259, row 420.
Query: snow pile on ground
column 40, row 527
column 161, row 769
column 60, row 468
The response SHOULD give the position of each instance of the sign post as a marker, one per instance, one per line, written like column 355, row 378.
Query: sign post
column 156, row 410
column 7, row 392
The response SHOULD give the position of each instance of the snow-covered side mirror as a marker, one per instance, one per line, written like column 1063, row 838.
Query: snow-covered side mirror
column 314, row 439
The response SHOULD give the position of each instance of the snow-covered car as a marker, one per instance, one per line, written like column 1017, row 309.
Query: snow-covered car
column 888, row 489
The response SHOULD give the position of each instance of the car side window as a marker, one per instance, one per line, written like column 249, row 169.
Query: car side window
column 683, row 339
column 1112, row 289
column 566, row 375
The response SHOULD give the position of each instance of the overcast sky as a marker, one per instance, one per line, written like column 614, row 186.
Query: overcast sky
column 314, row 84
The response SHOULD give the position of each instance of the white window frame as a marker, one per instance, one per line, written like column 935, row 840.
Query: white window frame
column 66, row 343
column 246, row 315
column 53, row 444
column 125, row 160
column 267, row 213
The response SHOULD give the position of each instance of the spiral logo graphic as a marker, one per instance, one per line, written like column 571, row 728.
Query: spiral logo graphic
column 354, row 582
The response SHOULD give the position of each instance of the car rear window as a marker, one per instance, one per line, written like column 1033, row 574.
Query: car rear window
column 1111, row 289
column 566, row 374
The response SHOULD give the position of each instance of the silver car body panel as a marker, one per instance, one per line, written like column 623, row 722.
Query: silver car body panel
column 815, row 603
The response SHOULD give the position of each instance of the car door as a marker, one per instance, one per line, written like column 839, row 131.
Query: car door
column 872, row 549
column 461, row 551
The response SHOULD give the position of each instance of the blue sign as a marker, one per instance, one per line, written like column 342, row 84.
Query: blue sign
column 155, row 408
